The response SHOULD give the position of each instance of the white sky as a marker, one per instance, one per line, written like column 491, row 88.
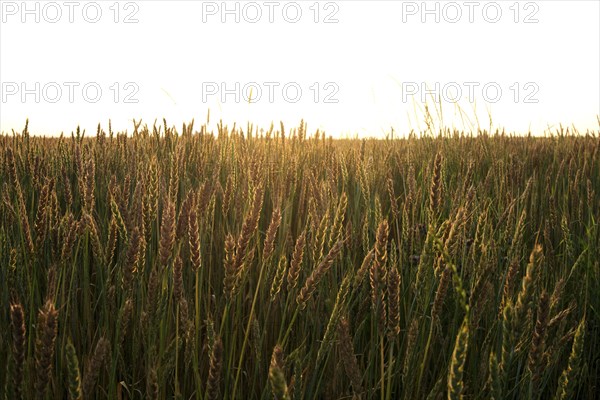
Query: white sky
column 369, row 61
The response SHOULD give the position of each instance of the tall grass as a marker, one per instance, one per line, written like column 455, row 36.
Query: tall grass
column 270, row 264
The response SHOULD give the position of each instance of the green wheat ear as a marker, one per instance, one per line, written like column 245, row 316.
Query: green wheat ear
column 494, row 380
column 277, row 376
column 568, row 378
column 457, row 364
column 74, row 374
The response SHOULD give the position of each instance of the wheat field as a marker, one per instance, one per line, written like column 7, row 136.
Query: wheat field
column 182, row 263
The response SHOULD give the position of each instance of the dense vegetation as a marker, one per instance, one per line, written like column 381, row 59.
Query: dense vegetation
column 261, row 264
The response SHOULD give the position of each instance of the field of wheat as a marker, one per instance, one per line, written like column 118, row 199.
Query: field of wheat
column 181, row 263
